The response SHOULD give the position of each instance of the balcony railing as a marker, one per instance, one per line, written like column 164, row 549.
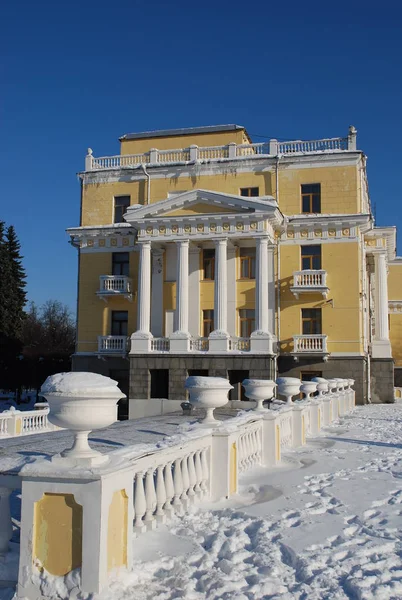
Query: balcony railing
column 112, row 344
column 216, row 153
column 310, row 344
column 160, row 345
column 114, row 285
column 200, row 344
column 239, row 344
column 309, row 280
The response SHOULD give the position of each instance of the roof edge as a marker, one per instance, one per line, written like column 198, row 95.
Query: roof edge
column 182, row 131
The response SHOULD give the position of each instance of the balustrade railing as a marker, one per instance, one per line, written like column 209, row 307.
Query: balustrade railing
column 200, row 344
column 15, row 422
column 310, row 343
column 303, row 146
column 239, row 344
column 169, row 482
column 285, row 423
column 310, row 278
column 250, row 447
column 230, row 151
column 114, row 284
column 112, row 344
column 160, row 345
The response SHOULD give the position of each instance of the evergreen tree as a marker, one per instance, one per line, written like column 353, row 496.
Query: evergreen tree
column 17, row 283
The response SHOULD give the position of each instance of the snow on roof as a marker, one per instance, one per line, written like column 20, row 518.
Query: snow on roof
column 182, row 131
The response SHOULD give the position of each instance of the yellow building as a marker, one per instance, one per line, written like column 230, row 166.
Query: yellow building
column 201, row 252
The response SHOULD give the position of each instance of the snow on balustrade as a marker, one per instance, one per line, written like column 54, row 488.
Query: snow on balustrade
column 300, row 146
column 169, row 482
column 285, row 422
column 250, row 447
column 231, row 151
column 4, row 420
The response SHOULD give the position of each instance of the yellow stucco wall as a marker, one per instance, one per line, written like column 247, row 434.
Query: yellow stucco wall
column 98, row 199
column 339, row 188
column 94, row 315
column 341, row 322
column 395, row 334
column 171, row 142
column 395, row 282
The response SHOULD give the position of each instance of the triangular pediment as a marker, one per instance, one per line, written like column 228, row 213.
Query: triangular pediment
column 201, row 202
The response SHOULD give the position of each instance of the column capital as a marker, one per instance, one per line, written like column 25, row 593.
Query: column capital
column 221, row 241
column 143, row 243
column 183, row 242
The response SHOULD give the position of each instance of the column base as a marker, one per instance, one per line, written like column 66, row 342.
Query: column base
column 141, row 342
column 381, row 349
column 180, row 341
column 261, row 341
column 219, row 341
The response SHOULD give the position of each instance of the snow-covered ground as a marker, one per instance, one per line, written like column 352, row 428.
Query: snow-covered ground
column 326, row 526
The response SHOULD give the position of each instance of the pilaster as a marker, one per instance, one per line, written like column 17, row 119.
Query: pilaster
column 157, row 293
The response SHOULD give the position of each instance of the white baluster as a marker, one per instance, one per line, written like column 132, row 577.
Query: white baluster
column 198, row 474
column 140, row 505
column 178, row 486
column 160, row 495
column 192, row 476
column 205, row 473
column 169, row 488
column 150, row 498
column 240, row 446
column 186, row 483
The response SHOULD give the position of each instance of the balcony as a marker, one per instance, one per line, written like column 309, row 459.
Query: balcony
column 112, row 345
column 196, row 344
column 311, row 282
column 114, row 285
column 310, row 345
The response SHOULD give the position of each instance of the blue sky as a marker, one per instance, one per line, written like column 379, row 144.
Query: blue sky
column 79, row 74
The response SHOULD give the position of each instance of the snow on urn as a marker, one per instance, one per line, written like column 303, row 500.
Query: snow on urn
column 322, row 386
column 308, row 388
column 259, row 390
column 81, row 402
column 210, row 393
column 288, row 387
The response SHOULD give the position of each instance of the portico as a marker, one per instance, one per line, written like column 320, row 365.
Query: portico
column 173, row 230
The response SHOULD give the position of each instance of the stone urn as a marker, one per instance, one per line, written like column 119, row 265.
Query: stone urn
column 210, row 393
column 322, row 386
column 259, row 390
column 81, row 402
column 288, row 387
column 332, row 386
column 308, row 388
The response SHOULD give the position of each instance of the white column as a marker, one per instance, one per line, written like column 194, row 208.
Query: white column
column 194, row 291
column 179, row 340
column 232, row 296
column 381, row 347
column 141, row 339
column 261, row 338
column 219, row 338
column 157, row 293
column 261, row 285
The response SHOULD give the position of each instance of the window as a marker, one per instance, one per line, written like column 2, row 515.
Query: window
column 159, row 383
column 250, row 192
column 311, row 198
column 311, row 321
column 208, row 266
column 247, row 322
column 247, row 263
column 207, row 322
column 119, row 322
column 311, row 257
column 121, row 203
column 120, row 263
column 308, row 375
